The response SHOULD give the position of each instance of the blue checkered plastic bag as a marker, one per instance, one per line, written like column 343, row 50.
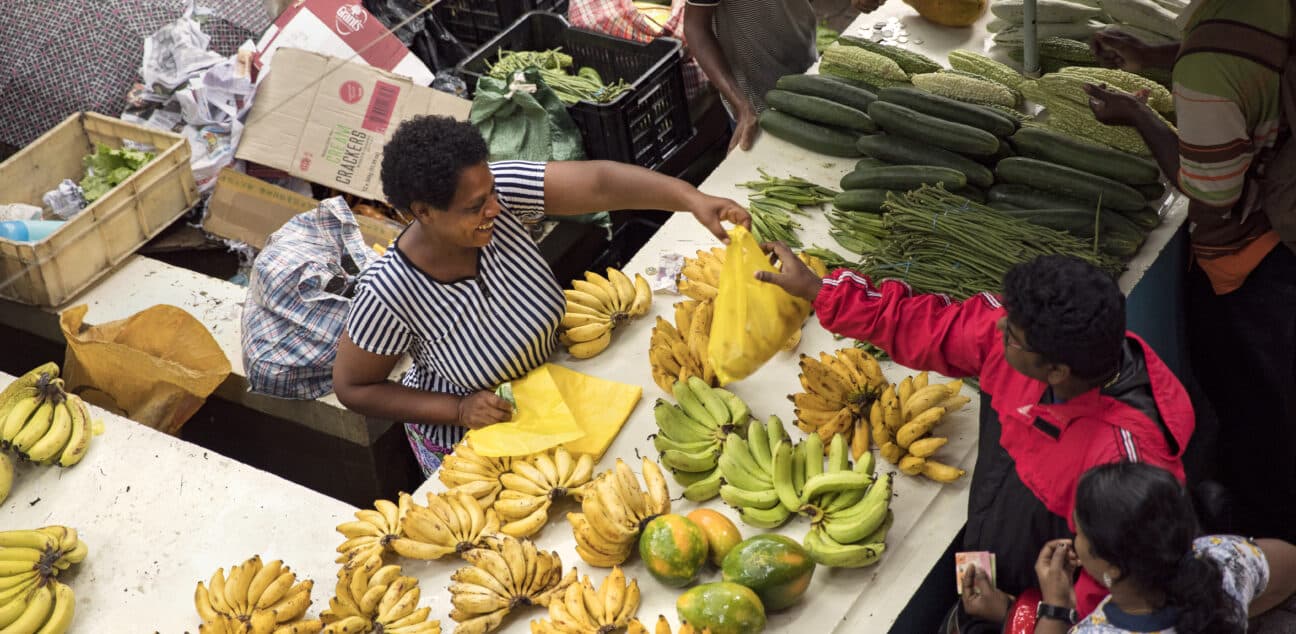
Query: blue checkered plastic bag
column 297, row 302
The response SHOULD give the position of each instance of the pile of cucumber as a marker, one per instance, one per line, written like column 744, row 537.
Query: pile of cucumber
column 909, row 138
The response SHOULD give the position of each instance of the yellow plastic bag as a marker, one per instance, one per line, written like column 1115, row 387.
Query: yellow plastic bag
column 156, row 367
column 557, row 406
column 753, row 320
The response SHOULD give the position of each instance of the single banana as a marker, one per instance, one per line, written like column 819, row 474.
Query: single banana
column 589, row 332
column 591, row 348
column 739, row 412
column 826, row 552
column 710, row 400
column 922, row 400
column 23, row 405
column 918, row 426
column 705, row 488
column 941, row 472
column 833, row 482
column 743, row 498
column 758, row 443
column 606, row 287
column 605, row 300
column 854, row 523
column 675, row 424
column 79, row 442
column 658, row 491
column 784, row 486
column 911, row 465
column 624, row 287
column 927, row 446
column 574, row 320
column 36, row 426
column 642, row 297
column 764, row 518
column 838, row 456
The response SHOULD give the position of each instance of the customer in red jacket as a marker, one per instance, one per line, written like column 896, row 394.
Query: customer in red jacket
column 1064, row 388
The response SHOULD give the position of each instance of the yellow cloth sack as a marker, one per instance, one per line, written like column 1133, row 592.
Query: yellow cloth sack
column 557, row 406
column 753, row 319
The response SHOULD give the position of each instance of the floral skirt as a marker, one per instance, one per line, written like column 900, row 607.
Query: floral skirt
column 428, row 443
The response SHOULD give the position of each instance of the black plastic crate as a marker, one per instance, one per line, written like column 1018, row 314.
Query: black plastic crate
column 643, row 125
column 475, row 22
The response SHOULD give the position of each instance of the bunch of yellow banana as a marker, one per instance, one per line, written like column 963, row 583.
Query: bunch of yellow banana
column 700, row 276
column 373, row 530
column 256, row 598
column 596, row 305
column 839, row 390
column 31, row 600
column 900, row 423
column 678, row 351
column 452, row 522
column 371, row 597
column 41, row 422
column 585, row 610
column 663, row 627
column 508, row 574
column 615, row 509
column 6, row 476
column 691, row 435
column 535, row 483
column 477, row 475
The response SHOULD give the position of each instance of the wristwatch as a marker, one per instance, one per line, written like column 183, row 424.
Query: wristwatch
column 1046, row 611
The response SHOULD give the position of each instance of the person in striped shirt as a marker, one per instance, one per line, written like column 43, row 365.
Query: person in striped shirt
column 464, row 289
column 1242, row 296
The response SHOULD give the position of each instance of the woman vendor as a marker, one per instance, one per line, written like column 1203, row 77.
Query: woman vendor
column 464, row 289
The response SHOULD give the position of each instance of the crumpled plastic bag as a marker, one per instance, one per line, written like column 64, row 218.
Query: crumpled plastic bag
column 753, row 320
column 156, row 367
column 557, row 406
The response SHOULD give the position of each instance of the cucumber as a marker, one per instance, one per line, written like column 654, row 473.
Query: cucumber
column 808, row 135
column 1027, row 197
column 974, row 194
column 950, row 110
column 1001, row 206
column 902, row 151
column 869, row 161
column 1068, row 151
column 1152, row 191
column 820, row 110
column 955, row 137
column 869, row 200
column 830, row 89
column 903, row 178
column 1119, row 238
column 1070, row 182
column 1146, row 218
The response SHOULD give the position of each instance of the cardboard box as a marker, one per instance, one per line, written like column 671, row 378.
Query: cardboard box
column 248, row 209
column 325, row 120
column 342, row 29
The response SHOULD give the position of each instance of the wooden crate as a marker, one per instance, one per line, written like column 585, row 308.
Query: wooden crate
column 52, row 271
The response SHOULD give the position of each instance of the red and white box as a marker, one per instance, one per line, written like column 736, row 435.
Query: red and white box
column 341, row 29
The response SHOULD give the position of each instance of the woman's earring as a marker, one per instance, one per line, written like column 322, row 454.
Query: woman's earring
column 1107, row 580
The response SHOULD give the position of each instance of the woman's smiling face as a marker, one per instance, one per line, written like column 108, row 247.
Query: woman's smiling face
column 469, row 221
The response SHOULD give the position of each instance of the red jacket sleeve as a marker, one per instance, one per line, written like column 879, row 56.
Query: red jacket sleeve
column 923, row 332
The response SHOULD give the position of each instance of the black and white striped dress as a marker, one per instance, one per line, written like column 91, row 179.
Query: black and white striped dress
column 472, row 334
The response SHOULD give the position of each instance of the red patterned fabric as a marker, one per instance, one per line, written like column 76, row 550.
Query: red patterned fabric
column 620, row 18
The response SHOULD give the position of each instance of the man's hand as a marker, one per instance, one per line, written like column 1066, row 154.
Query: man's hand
column 867, row 6
column 1117, row 49
column 982, row 600
column 1114, row 107
column 745, row 130
column 710, row 210
column 795, row 277
column 1056, row 568
column 483, row 409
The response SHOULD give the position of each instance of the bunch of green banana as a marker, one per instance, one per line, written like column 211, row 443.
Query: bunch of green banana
column 41, row 422
column 31, row 600
column 691, row 436
column 849, row 524
column 747, row 465
column 257, row 598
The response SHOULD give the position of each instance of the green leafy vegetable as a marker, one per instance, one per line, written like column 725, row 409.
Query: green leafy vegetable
column 107, row 167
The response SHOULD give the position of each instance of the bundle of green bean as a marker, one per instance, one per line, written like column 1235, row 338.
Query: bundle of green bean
column 774, row 202
column 940, row 242
column 554, row 65
column 858, row 232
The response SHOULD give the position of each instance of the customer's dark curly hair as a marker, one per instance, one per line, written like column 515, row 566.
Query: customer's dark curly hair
column 423, row 159
column 1140, row 519
column 1070, row 311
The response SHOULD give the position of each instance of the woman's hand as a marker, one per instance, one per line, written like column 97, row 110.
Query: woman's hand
column 795, row 277
column 983, row 600
column 1056, row 568
column 1114, row 107
column 483, row 409
column 710, row 210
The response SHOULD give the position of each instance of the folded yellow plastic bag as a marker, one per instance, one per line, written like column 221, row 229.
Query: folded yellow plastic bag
column 542, row 420
column 753, row 319
column 558, row 406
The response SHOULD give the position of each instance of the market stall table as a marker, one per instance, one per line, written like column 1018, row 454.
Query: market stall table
column 160, row 514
